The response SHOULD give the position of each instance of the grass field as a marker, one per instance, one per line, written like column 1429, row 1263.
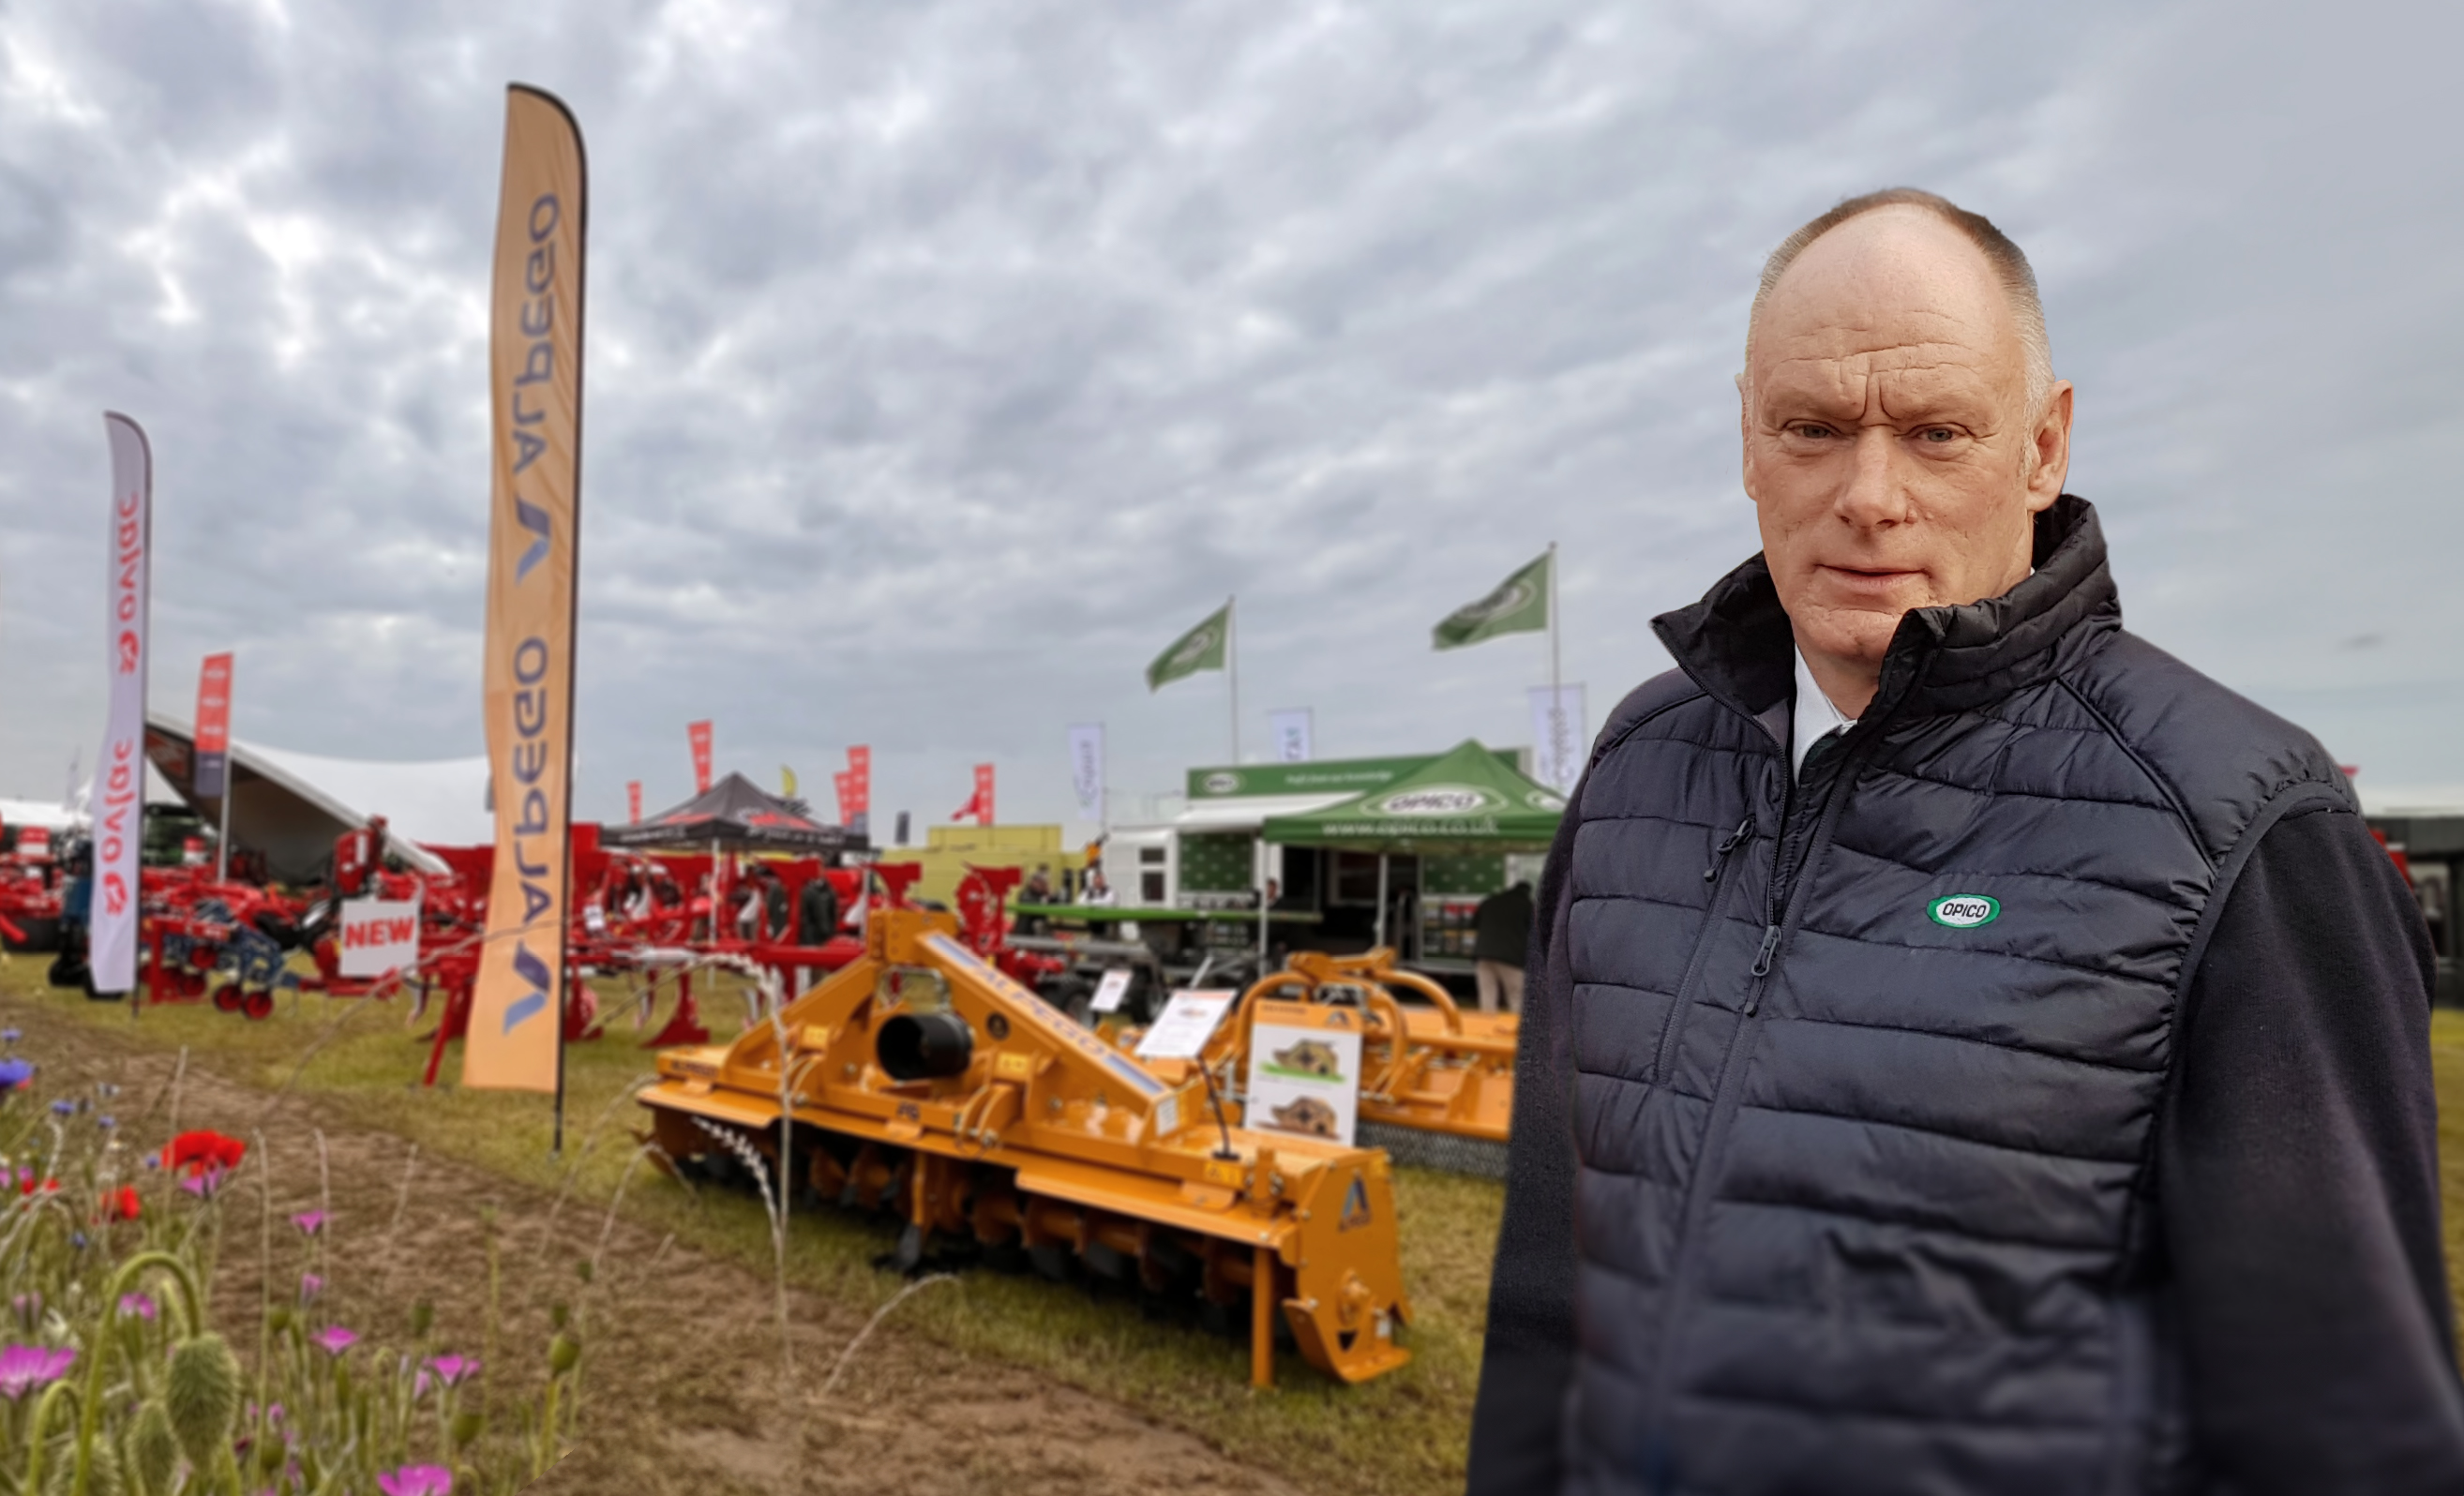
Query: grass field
column 1404, row 1434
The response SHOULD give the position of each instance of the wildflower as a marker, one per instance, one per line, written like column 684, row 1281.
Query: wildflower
column 417, row 1480
column 310, row 1286
column 309, row 1222
column 25, row 1369
column 449, row 1370
column 137, row 1303
column 195, row 1153
column 121, row 1205
column 15, row 1075
column 333, row 1340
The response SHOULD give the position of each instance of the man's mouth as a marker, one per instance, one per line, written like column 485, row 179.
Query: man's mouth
column 1867, row 579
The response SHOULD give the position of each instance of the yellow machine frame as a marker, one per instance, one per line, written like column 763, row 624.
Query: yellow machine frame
column 1035, row 1133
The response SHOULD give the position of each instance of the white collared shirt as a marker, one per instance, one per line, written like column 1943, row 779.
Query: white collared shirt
column 1816, row 718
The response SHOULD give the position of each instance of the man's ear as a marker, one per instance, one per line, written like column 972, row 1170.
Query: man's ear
column 2051, row 466
column 1745, row 435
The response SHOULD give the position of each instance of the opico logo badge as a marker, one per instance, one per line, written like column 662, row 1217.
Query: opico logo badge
column 1436, row 800
column 1964, row 911
column 1193, row 649
column 1512, row 596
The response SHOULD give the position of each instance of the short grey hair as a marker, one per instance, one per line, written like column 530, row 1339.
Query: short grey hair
column 2009, row 261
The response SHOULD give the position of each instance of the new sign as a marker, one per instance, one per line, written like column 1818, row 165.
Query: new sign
column 378, row 936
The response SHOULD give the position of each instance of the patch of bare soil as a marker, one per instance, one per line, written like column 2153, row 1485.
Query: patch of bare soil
column 683, row 1390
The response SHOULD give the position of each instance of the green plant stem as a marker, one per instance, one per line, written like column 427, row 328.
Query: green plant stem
column 90, row 1411
column 55, row 1393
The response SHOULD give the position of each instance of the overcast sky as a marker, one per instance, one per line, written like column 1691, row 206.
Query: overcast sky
column 947, row 361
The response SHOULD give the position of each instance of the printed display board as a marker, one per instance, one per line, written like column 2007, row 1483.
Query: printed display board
column 1305, row 1070
column 1180, row 1032
column 1109, row 991
column 378, row 936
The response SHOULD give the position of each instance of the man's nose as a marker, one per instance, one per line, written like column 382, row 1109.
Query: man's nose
column 1873, row 495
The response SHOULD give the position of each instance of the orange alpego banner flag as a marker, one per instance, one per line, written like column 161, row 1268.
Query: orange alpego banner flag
column 534, row 523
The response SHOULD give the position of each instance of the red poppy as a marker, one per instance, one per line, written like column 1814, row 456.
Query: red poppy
column 119, row 1205
column 196, row 1153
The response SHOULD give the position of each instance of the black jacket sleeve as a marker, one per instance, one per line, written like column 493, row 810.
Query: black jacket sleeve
column 2298, row 1181
column 1529, row 1353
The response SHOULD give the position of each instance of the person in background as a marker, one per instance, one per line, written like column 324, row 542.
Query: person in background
column 1037, row 890
column 1501, row 938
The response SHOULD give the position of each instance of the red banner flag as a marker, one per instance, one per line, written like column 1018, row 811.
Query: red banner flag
column 981, row 804
column 516, row 1039
column 699, row 734
column 213, row 725
column 633, row 801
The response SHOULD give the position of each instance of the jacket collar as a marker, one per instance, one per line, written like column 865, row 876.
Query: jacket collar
column 1737, row 646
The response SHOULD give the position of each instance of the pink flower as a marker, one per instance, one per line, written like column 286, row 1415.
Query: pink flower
column 25, row 1369
column 417, row 1480
column 309, row 1222
column 333, row 1340
column 450, row 1371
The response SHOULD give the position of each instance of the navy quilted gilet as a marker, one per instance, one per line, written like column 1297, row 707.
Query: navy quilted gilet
column 1865, row 1193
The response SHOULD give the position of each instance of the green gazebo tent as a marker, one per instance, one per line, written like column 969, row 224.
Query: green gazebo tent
column 1466, row 800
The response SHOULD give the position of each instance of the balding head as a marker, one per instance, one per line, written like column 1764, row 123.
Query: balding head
column 2006, row 263
column 1902, row 424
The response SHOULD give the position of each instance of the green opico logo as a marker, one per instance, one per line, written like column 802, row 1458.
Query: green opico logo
column 1964, row 911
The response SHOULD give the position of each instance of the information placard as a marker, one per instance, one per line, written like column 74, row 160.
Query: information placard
column 1305, row 1069
column 1180, row 1031
column 1109, row 991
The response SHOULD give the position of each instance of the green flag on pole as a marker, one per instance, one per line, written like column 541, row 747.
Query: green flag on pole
column 1520, row 605
column 1202, row 649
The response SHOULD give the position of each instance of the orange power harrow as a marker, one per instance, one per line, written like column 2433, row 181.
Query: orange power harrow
column 923, row 1081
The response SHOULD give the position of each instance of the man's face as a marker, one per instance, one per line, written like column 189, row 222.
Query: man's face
column 1889, row 448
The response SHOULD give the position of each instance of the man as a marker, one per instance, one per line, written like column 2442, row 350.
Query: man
column 1500, row 939
column 1971, row 1051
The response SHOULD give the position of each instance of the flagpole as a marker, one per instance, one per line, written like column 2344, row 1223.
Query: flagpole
column 1556, row 692
column 1232, row 668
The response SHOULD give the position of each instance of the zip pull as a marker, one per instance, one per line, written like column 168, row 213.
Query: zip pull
column 1763, row 956
column 1728, row 843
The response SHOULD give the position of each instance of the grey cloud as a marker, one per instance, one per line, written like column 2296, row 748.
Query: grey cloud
column 945, row 360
